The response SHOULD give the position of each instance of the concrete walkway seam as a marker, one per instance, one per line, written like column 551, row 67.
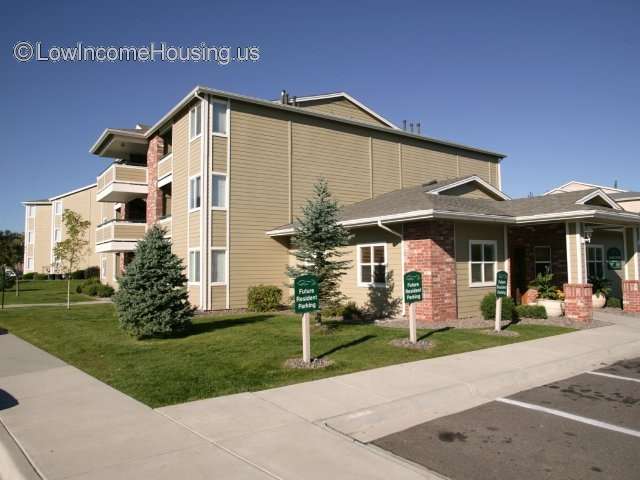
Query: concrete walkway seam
column 14, row 461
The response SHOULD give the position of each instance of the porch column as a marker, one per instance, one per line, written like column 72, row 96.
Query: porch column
column 631, row 282
column 430, row 250
column 577, row 302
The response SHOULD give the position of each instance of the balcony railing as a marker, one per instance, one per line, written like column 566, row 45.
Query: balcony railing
column 122, row 183
column 166, row 224
column 119, row 235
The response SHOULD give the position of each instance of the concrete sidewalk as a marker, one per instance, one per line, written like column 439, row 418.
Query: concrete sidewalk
column 73, row 426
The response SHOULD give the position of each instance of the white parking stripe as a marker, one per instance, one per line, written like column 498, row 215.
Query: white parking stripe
column 617, row 377
column 570, row 416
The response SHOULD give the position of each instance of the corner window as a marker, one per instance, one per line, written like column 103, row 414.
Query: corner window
column 58, row 208
column 31, row 211
column 194, row 266
column 195, row 121
column 372, row 265
column 57, row 235
column 103, row 267
column 194, row 192
column 30, row 238
column 542, row 257
column 218, row 266
column 482, row 262
column 220, row 118
column 595, row 261
column 29, row 263
column 218, row 190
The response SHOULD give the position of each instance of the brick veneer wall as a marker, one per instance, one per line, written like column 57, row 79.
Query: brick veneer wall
column 631, row 295
column 529, row 237
column 578, row 302
column 154, row 197
column 429, row 249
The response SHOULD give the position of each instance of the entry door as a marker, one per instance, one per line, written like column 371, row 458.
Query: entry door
column 519, row 269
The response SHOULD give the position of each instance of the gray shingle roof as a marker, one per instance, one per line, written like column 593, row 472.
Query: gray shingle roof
column 624, row 195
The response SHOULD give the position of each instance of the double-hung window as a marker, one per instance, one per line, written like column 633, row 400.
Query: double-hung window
column 595, row 261
column 194, row 266
column 30, row 238
column 372, row 265
column 218, row 190
column 542, row 257
column 195, row 121
column 57, row 235
column 218, row 266
column 31, row 210
column 219, row 126
column 58, row 208
column 194, row 192
column 103, row 266
column 29, row 263
column 482, row 262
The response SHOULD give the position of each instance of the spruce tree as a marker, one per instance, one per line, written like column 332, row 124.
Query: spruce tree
column 152, row 300
column 318, row 240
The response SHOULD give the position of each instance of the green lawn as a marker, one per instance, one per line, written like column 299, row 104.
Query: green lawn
column 224, row 354
column 44, row 291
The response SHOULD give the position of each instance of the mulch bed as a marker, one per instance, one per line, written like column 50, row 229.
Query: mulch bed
column 480, row 323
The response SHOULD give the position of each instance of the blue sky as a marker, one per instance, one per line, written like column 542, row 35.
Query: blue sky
column 554, row 85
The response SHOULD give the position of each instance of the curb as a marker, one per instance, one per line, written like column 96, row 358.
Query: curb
column 14, row 465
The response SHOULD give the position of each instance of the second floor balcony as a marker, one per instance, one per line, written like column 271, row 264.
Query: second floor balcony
column 119, row 235
column 122, row 183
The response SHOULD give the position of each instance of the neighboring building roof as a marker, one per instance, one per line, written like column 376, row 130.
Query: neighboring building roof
column 622, row 196
column 581, row 186
column 37, row 202
column 199, row 90
column 77, row 190
column 415, row 203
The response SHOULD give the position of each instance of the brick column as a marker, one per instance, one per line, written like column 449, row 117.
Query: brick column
column 578, row 302
column 631, row 296
column 154, row 197
column 429, row 249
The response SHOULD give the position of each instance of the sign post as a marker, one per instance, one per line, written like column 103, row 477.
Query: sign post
column 502, row 281
column 306, row 300
column 412, row 294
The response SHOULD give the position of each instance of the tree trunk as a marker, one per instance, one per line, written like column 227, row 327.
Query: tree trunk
column 69, row 292
column 17, row 286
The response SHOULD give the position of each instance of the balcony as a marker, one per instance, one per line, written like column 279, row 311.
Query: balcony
column 122, row 183
column 119, row 236
column 166, row 224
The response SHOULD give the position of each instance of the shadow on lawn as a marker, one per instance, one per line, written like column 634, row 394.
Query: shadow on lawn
column 352, row 343
column 212, row 324
column 432, row 332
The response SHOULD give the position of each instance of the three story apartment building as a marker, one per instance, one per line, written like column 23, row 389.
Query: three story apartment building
column 226, row 176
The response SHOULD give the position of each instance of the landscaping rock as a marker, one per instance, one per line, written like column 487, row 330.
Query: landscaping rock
column 405, row 343
column 501, row 333
column 313, row 365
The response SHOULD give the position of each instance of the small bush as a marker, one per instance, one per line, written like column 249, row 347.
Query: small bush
column 92, row 272
column 488, row 307
column 77, row 275
column 531, row 311
column 105, row 291
column 28, row 276
column 614, row 302
column 333, row 311
column 351, row 312
column 40, row 276
column 264, row 298
column 94, row 288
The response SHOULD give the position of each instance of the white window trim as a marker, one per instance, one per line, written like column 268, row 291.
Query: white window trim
column 536, row 261
column 195, row 209
column 56, row 204
column 32, row 211
column 495, row 263
column 226, row 260
column 226, row 187
column 195, row 107
column 372, row 263
column 602, row 262
column 57, row 233
column 30, row 236
column 226, row 104
column 189, row 282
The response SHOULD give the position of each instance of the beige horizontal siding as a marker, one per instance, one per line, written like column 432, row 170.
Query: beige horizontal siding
column 194, row 229
column 420, row 165
column 105, row 178
column 165, row 166
column 179, row 186
column 469, row 297
column 195, row 165
column 478, row 164
column 218, row 297
column 124, row 231
column 219, row 151
column 125, row 173
column 470, row 191
column 341, row 107
column 218, row 228
column 386, row 165
column 42, row 247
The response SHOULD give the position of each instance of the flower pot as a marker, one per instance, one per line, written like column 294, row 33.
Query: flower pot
column 554, row 308
column 598, row 301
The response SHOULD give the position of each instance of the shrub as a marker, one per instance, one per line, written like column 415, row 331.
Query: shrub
column 264, row 298
column 92, row 272
column 488, row 307
column 614, row 302
column 77, row 275
column 531, row 311
column 40, row 276
column 105, row 291
column 351, row 312
column 333, row 311
column 93, row 287
column 543, row 283
column 28, row 276
column 152, row 300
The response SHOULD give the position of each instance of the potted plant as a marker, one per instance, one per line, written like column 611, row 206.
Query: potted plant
column 549, row 295
column 601, row 290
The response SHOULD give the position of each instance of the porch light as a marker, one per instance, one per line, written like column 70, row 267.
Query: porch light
column 588, row 232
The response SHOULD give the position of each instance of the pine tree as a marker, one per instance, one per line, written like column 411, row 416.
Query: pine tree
column 318, row 240
column 152, row 300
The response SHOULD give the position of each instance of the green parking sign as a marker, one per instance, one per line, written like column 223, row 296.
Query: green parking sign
column 502, row 282
column 305, row 294
column 412, row 287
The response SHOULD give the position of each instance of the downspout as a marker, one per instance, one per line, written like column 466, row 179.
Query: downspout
column 401, row 237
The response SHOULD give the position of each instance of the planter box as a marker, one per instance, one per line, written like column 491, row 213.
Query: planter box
column 554, row 308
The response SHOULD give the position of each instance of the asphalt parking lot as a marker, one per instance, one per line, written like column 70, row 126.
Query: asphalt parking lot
column 584, row 427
